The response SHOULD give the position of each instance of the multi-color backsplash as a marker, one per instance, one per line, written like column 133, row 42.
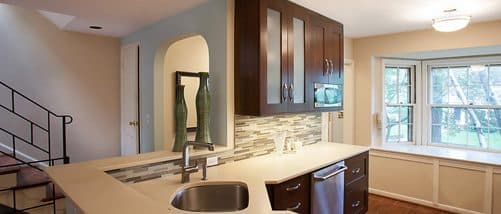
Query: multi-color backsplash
column 253, row 137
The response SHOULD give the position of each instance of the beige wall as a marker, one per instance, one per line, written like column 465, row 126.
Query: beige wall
column 348, row 48
column 189, row 54
column 70, row 73
column 365, row 51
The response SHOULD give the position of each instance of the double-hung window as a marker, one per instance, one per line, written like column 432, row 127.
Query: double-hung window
column 447, row 102
column 464, row 105
column 399, row 115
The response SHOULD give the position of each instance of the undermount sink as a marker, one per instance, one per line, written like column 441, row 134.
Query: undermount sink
column 213, row 197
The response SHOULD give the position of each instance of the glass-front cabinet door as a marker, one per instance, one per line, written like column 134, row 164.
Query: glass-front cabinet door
column 298, row 25
column 274, row 53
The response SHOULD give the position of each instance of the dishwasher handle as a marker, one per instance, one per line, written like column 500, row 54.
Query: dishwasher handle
column 340, row 170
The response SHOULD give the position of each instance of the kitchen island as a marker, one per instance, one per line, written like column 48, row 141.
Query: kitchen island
column 92, row 190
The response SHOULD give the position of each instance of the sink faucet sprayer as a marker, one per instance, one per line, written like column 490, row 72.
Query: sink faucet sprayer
column 186, row 169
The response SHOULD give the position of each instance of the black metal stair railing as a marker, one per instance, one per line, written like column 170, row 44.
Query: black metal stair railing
column 48, row 150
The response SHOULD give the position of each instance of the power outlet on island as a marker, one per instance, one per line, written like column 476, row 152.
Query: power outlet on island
column 212, row 161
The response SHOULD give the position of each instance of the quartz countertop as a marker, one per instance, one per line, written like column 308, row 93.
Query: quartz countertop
column 93, row 191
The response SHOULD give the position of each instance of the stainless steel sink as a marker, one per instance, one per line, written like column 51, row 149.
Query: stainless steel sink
column 213, row 197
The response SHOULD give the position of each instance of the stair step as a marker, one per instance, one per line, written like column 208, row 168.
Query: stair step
column 9, row 210
column 5, row 161
column 28, row 177
column 59, row 193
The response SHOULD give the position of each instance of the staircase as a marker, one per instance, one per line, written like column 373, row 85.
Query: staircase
column 24, row 186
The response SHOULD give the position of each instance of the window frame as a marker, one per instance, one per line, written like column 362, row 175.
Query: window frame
column 427, row 106
column 416, row 128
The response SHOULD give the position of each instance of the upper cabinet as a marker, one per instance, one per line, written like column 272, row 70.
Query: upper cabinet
column 279, row 56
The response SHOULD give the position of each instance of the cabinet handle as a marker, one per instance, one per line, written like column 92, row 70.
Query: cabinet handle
column 294, row 207
column 355, row 204
column 291, row 93
column 326, row 69
column 284, row 92
column 355, row 171
column 294, row 188
column 332, row 67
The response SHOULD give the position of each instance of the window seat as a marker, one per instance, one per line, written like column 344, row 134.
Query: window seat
column 481, row 157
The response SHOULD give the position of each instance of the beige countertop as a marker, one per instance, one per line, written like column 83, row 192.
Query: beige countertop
column 94, row 191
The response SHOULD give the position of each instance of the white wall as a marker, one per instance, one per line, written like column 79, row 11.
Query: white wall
column 70, row 73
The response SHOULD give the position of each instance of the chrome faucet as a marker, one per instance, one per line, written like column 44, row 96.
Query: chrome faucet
column 186, row 169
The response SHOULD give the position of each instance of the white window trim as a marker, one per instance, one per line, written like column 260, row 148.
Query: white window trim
column 426, row 123
column 416, row 128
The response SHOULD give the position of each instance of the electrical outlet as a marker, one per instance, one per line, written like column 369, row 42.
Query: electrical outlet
column 212, row 161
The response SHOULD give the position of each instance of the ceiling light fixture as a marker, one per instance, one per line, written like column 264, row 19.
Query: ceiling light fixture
column 451, row 21
column 95, row 27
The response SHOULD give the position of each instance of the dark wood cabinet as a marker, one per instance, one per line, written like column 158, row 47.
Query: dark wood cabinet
column 356, row 184
column 281, row 50
column 295, row 194
column 292, row 195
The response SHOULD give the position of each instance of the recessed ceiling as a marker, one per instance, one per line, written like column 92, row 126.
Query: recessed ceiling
column 117, row 17
column 361, row 18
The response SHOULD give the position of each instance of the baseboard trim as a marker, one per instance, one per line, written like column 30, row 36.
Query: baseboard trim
column 422, row 202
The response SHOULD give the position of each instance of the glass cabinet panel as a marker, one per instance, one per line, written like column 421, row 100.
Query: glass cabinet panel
column 274, row 59
column 298, row 39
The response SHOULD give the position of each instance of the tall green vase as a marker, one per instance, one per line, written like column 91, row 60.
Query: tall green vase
column 181, row 112
column 203, row 109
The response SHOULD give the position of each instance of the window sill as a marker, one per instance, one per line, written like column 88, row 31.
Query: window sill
column 481, row 157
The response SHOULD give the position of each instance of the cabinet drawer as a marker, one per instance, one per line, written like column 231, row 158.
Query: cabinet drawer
column 355, row 199
column 357, row 168
column 293, row 195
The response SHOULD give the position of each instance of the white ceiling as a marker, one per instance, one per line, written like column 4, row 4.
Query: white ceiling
column 360, row 17
column 117, row 17
column 363, row 18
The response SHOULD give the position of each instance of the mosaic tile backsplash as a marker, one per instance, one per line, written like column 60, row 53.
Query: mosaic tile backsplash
column 253, row 137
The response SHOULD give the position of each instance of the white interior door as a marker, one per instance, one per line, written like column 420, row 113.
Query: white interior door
column 130, row 99
column 342, row 125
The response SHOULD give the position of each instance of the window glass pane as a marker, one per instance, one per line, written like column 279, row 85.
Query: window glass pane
column 495, row 74
column 404, row 94
column 495, row 118
column 476, row 95
column 440, row 116
column 439, row 76
column 478, row 74
column 495, row 95
column 457, row 95
column 392, row 115
column 404, row 76
column 495, row 139
column 406, row 114
column 439, row 134
column 392, row 132
column 390, row 94
column 405, row 133
column 439, row 94
column 458, row 75
column 390, row 76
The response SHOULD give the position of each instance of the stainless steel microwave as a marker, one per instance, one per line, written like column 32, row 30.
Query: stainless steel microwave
column 328, row 95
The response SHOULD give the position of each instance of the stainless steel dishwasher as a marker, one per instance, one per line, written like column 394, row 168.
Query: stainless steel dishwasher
column 327, row 189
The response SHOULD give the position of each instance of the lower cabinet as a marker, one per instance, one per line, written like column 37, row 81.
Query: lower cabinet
column 295, row 194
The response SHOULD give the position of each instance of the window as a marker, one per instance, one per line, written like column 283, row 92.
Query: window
column 451, row 103
column 399, row 103
column 464, row 105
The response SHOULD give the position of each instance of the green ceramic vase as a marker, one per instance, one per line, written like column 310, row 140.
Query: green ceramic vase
column 203, row 109
column 181, row 114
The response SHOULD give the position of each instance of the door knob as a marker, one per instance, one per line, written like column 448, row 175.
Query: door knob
column 134, row 123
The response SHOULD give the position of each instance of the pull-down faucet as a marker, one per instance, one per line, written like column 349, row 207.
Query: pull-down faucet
column 186, row 169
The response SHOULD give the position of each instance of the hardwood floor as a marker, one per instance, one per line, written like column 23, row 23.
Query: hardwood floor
column 383, row 205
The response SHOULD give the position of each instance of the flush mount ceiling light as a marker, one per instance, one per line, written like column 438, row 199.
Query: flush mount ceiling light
column 451, row 21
